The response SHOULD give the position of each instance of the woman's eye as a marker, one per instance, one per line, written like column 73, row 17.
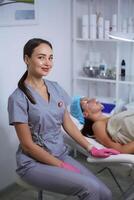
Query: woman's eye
column 51, row 58
column 41, row 58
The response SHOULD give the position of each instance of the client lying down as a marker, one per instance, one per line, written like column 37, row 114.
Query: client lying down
column 115, row 132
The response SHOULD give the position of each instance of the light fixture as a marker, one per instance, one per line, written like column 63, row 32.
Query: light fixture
column 127, row 37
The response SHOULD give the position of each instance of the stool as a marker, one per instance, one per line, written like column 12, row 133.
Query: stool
column 22, row 183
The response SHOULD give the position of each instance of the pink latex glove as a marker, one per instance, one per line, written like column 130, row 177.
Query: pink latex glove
column 103, row 153
column 69, row 167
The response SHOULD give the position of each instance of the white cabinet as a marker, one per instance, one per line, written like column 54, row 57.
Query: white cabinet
column 93, row 21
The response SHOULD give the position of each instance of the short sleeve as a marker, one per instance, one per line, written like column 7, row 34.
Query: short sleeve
column 17, row 108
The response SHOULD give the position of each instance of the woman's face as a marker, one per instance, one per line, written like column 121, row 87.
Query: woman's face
column 91, row 106
column 41, row 61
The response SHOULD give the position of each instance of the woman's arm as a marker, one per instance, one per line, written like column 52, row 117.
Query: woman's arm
column 128, row 148
column 74, row 132
column 35, row 151
column 101, row 135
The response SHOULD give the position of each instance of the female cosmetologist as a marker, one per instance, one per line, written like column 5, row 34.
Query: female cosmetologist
column 37, row 109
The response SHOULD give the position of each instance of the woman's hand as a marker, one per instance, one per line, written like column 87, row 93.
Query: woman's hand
column 103, row 153
column 69, row 167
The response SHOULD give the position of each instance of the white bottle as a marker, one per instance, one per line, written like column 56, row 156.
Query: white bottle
column 107, row 28
column 92, row 26
column 100, row 28
column 114, row 23
column 85, row 32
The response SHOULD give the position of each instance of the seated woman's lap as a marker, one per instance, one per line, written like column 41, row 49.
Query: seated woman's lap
column 63, row 181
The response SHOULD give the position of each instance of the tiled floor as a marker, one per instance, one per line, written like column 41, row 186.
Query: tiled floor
column 16, row 192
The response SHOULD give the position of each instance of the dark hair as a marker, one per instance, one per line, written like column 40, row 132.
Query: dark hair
column 87, row 128
column 28, row 50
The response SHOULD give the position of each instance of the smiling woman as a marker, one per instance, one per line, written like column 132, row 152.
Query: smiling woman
column 38, row 111
column 38, row 59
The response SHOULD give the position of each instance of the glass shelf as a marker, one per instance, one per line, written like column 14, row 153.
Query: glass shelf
column 95, row 79
column 94, row 40
column 128, row 81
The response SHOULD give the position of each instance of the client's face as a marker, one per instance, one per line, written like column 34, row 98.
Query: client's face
column 90, row 106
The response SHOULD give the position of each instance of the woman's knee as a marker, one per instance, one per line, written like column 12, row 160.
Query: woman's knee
column 90, row 191
column 95, row 191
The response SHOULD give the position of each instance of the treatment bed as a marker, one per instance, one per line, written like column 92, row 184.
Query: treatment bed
column 105, row 163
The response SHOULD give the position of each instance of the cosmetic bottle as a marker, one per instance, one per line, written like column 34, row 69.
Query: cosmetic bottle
column 123, row 70
column 114, row 23
column 85, row 26
column 92, row 26
column 100, row 28
column 106, row 30
column 102, row 68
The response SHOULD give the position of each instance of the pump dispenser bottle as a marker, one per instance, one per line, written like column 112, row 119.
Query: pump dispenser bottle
column 123, row 69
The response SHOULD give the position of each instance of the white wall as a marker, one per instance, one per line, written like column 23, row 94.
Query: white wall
column 54, row 25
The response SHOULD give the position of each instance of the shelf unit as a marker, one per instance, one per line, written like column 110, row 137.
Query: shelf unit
column 111, row 50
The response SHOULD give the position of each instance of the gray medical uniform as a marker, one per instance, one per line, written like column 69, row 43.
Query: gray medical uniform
column 45, row 120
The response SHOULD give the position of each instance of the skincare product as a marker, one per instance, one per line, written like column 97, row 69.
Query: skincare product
column 92, row 26
column 114, row 23
column 100, row 28
column 85, row 27
column 123, row 70
column 102, row 68
column 107, row 27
